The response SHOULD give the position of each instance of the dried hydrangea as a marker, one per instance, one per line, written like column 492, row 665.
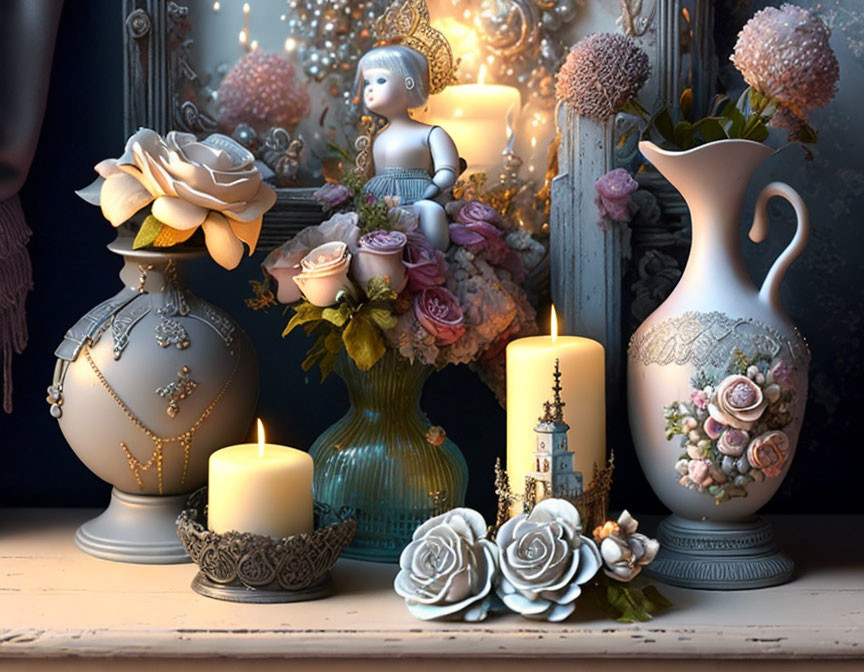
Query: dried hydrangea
column 602, row 72
column 262, row 90
column 784, row 54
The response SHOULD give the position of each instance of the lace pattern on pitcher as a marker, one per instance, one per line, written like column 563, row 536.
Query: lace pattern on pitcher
column 709, row 339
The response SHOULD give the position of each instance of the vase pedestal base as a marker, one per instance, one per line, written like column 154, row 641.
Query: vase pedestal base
column 135, row 528
column 719, row 556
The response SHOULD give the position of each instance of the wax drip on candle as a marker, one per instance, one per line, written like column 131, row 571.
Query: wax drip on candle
column 554, row 326
column 260, row 439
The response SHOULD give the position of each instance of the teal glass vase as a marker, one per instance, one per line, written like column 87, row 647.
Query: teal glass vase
column 379, row 460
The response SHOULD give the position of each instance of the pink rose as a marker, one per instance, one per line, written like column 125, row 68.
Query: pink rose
column 426, row 266
column 781, row 373
column 614, row 190
column 738, row 402
column 479, row 236
column 697, row 471
column 733, row 442
column 769, row 452
column 324, row 274
column 283, row 263
column 439, row 313
column 699, row 398
column 332, row 195
column 712, row 428
column 475, row 211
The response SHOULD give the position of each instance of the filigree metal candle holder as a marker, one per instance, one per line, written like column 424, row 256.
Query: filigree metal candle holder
column 592, row 504
column 246, row 567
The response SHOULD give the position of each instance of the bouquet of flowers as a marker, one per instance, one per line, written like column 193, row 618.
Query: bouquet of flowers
column 367, row 280
column 732, row 426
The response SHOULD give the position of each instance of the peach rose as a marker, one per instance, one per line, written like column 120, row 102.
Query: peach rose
column 324, row 274
column 213, row 184
column 738, row 402
column 769, row 452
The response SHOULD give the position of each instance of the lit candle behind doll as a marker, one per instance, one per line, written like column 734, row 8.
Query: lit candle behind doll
column 415, row 162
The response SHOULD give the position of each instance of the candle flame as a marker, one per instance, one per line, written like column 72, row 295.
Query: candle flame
column 481, row 77
column 554, row 324
column 260, row 438
column 243, row 36
column 246, row 8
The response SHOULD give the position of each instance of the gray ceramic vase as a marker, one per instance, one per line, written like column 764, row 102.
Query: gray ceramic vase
column 147, row 385
column 717, row 380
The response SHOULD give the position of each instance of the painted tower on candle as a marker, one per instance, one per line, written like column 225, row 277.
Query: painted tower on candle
column 553, row 473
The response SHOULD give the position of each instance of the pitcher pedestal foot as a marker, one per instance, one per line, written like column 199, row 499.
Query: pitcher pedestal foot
column 719, row 556
column 135, row 528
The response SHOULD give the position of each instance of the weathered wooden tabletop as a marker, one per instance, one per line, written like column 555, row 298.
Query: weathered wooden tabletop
column 62, row 608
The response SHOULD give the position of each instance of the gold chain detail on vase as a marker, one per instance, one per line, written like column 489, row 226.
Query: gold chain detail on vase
column 184, row 439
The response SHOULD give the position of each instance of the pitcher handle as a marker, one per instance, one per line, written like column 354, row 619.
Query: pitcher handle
column 770, row 292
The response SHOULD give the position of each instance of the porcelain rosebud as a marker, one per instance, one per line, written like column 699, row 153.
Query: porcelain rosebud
column 448, row 569
column 324, row 274
column 544, row 560
column 625, row 552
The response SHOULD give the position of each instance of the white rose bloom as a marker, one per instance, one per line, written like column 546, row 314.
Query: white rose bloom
column 213, row 184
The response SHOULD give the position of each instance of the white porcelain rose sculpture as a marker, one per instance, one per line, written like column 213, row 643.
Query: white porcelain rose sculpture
column 544, row 560
column 213, row 184
column 536, row 567
column 448, row 569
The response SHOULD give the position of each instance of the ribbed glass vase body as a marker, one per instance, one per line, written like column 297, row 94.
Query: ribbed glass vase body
column 378, row 461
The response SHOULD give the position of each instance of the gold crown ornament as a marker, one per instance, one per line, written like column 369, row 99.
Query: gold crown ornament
column 406, row 23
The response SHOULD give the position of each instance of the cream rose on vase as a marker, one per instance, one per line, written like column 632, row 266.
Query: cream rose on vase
column 448, row 569
column 213, row 184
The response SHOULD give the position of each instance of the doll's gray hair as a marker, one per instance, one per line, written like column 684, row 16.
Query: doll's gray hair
column 400, row 60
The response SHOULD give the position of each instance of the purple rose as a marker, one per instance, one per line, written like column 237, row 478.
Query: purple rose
column 475, row 211
column 332, row 195
column 613, row 196
column 426, row 266
column 439, row 313
column 380, row 254
column 733, row 442
column 479, row 236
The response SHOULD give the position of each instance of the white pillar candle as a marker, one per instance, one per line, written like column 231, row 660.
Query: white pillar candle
column 262, row 488
column 530, row 365
column 476, row 117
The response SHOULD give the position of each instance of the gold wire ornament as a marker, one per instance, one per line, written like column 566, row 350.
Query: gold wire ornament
column 183, row 439
column 407, row 23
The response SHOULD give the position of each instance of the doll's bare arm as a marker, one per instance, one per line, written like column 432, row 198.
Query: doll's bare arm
column 445, row 162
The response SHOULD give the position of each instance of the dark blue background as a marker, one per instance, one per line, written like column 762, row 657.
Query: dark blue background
column 73, row 271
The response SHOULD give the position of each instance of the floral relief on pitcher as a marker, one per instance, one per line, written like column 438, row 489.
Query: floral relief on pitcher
column 735, row 422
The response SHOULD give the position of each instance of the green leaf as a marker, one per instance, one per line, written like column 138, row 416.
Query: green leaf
column 378, row 289
column 685, row 102
column 147, row 234
column 635, row 604
column 710, row 129
column 333, row 342
column 383, row 317
column 364, row 342
column 735, row 120
column 336, row 316
column 303, row 313
column 684, row 134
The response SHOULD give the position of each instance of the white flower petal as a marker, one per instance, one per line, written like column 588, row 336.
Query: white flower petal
column 121, row 197
column 225, row 248
column 560, row 612
column 107, row 167
column 180, row 214
column 263, row 201
column 521, row 605
column 92, row 193
column 589, row 561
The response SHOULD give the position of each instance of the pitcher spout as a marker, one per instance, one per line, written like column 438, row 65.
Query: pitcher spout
column 731, row 164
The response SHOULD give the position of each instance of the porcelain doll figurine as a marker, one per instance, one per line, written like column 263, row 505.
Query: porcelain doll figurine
column 414, row 162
